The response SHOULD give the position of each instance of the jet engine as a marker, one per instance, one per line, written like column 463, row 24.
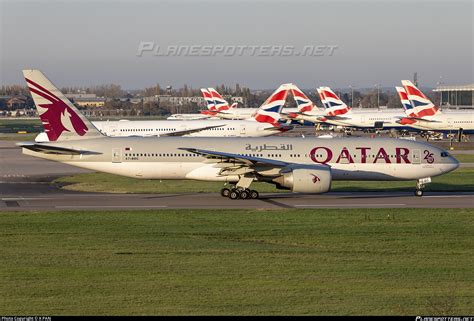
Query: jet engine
column 314, row 179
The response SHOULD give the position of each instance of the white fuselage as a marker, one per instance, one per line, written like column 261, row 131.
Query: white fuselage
column 220, row 128
column 245, row 113
column 445, row 122
column 358, row 118
column 164, row 157
column 188, row 117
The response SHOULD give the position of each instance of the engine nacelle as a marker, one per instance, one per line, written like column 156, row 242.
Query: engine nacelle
column 314, row 179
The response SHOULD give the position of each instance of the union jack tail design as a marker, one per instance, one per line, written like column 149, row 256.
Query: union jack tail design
column 404, row 99
column 220, row 103
column 302, row 101
column 421, row 105
column 334, row 105
column 270, row 110
column 208, row 98
column 61, row 119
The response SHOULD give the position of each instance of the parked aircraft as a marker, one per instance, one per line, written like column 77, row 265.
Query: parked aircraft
column 307, row 165
column 215, row 103
column 338, row 113
column 259, row 126
column 422, row 114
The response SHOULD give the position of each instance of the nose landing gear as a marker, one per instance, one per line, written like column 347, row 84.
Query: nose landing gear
column 420, row 185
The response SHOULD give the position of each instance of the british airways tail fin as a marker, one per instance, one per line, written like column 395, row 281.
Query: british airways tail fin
column 220, row 103
column 303, row 103
column 270, row 110
column 334, row 105
column 61, row 119
column 422, row 105
column 404, row 100
column 208, row 98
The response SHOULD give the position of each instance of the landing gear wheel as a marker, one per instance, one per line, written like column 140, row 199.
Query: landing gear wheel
column 244, row 194
column 253, row 194
column 419, row 192
column 234, row 194
column 225, row 192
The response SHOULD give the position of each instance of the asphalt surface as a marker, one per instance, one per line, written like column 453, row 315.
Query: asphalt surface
column 24, row 185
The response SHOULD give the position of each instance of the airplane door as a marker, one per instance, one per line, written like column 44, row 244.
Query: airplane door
column 416, row 157
column 113, row 131
column 116, row 155
column 450, row 123
column 242, row 129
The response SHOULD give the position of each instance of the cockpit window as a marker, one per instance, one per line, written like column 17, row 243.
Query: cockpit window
column 444, row 154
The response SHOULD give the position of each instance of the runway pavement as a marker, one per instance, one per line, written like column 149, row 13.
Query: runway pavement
column 42, row 196
column 24, row 185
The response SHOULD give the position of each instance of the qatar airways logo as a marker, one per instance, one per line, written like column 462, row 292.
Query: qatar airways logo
column 324, row 155
column 315, row 179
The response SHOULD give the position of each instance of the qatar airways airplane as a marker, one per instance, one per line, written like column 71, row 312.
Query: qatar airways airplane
column 422, row 114
column 306, row 165
column 264, row 123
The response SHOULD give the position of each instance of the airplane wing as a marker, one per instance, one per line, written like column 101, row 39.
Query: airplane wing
column 423, row 120
column 236, row 164
column 49, row 149
column 247, row 160
column 190, row 131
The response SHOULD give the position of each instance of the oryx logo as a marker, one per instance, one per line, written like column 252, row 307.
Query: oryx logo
column 56, row 116
column 315, row 179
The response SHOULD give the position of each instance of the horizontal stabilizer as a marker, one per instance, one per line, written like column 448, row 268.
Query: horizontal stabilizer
column 49, row 149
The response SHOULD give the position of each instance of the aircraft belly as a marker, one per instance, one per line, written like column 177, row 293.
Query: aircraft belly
column 145, row 170
column 388, row 172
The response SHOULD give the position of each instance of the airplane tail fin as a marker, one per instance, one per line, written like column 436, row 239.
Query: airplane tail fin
column 302, row 101
column 270, row 110
column 234, row 105
column 404, row 100
column 61, row 119
column 220, row 103
column 208, row 98
column 322, row 98
column 334, row 105
column 422, row 105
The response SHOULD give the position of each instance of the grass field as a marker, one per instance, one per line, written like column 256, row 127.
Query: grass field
column 337, row 262
column 460, row 180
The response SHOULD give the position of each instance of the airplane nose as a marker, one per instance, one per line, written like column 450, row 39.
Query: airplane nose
column 451, row 165
column 455, row 163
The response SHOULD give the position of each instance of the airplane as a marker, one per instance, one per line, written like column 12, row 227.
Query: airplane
column 422, row 114
column 259, row 126
column 302, row 165
column 211, row 96
column 248, row 113
column 338, row 113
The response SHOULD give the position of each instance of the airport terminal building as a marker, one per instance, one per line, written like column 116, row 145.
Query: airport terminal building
column 456, row 96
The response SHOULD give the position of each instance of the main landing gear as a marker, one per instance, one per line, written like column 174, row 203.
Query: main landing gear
column 420, row 185
column 241, row 189
column 239, row 193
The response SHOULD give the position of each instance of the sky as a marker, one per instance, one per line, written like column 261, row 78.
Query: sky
column 81, row 43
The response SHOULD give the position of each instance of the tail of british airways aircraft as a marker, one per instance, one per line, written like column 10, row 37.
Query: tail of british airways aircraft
column 333, row 104
column 61, row 119
column 303, row 103
column 421, row 105
column 220, row 103
column 208, row 98
column 270, row 110
column 407, row 106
